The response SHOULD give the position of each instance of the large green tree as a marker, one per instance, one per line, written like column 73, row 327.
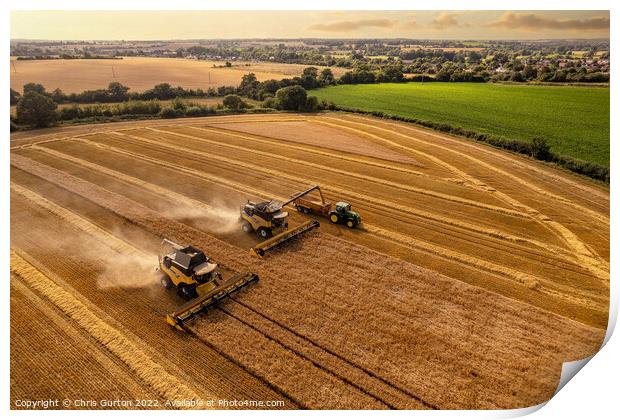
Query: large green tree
column 233, row 102
column 34, row 87
column 292, row 98
column 309, row 78
column 36, row 110
column 118, row 92
column 327, row 77
column 248, row 85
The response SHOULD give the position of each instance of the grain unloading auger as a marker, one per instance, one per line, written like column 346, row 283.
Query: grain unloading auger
column 197, row 279
column 271, row 223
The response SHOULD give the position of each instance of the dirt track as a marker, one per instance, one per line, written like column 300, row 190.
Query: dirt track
column 475, row 275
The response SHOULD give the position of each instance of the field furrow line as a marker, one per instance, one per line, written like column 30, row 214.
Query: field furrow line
column 128, row 179
column 591, row 260
column 543, row 256
column 288, row 373
column 240, row 118
column 524, row 279
column 199, row 174
column 597, row 216
column 339, row 191
column 316, row 151
column 113, row 242
column 117, row 343
column 462, row 176
column 301, row 355
column 376, row 180
column 33, row 308
column 362, row 375
column 501, row 155
column 532, row 282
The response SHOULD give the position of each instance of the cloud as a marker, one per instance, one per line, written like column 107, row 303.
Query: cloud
column 352, row 25
column 533, row 22
column 445, row 20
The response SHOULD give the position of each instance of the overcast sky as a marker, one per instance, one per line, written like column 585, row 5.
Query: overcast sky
column 163, row 25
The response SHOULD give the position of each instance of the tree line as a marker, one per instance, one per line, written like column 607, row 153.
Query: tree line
column 38, row 108
column 115, row 92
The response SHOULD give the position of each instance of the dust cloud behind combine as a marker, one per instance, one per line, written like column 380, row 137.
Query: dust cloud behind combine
column 129, row 271
column 131, row 268
column 218, row 217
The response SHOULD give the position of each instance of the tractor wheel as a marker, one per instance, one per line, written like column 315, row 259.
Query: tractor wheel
column 246, row 227
column 165, row 282
column 187, row 291
column 334, row 218
column 350, row 224
column 264, row 233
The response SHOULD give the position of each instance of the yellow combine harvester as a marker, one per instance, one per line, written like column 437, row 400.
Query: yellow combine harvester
column 271, row 223
column 197, row 279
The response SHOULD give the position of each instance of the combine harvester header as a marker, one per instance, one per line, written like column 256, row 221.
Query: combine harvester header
column 203, row 303
column 260, row 249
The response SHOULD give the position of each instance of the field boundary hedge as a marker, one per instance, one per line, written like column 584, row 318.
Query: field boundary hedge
column 100, row 119
column 523, row 147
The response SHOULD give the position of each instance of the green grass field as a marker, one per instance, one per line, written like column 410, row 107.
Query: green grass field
column 573, row 120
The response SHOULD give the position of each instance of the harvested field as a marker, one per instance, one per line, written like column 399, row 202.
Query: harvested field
column 289, row 131
column 474, row 275
column 142, row 73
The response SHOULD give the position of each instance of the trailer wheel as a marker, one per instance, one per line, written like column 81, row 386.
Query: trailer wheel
column 306, row 210
column 246, row 227
column 350, row 224
column 264, row 233
column 334, row 218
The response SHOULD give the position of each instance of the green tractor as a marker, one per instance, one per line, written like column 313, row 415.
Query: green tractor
column 342, row 213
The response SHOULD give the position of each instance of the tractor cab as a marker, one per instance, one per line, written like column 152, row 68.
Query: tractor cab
column 343, row 208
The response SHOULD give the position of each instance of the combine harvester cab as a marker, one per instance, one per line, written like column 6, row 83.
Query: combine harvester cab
column 197, row 279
